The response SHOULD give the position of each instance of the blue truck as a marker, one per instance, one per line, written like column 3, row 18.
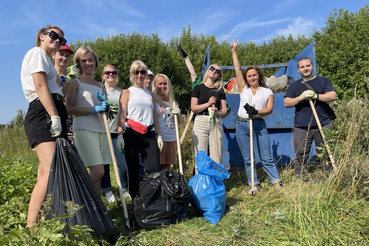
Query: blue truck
column 279, row 122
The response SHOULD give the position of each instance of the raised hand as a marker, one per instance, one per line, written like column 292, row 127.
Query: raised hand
column 234, row 45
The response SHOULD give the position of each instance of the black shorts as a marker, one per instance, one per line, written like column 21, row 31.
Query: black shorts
column 36, row 121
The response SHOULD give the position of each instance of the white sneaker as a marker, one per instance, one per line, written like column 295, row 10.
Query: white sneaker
column 110, row 196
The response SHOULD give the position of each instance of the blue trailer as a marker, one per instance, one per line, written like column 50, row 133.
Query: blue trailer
column 279, row 122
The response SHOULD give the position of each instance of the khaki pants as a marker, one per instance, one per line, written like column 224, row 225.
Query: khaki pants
column 203, row 136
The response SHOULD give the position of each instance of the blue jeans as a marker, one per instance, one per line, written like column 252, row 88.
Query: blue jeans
column 261, row 142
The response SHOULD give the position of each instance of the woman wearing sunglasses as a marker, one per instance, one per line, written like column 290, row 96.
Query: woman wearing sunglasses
column 46, row 116
column 209, row 98
column 251, row 84
column 89, row 130
column 165, row 111
column 137, row 134
column 110, row 79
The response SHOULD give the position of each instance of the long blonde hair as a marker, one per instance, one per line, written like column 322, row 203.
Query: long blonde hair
column 218, row 83
column 168, row 93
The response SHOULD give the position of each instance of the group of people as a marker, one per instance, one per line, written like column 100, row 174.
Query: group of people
column 143, row 132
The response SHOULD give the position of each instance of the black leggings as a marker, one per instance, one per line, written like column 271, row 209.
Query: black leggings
column 136, row 143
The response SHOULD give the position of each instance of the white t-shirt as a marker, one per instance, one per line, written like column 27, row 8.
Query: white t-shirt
column 166, row 122
column 36, row 60
column 140, row 107
column 259, row 100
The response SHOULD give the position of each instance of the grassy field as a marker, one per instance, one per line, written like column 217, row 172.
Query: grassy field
column 321, row 210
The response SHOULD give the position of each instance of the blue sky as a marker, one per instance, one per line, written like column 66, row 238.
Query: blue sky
column 247, row 20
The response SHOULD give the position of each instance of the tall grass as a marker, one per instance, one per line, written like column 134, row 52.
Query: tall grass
column 330, row 210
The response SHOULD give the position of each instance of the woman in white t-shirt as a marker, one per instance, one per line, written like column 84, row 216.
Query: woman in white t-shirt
column 136, row 105
column 165, row 111
column 251, row 84
column 46, row 108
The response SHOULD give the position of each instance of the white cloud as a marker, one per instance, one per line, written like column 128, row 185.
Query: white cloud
column 248, row 25
column 211, row 23
column 300, row 26
column 11, row 42
column 123, row 6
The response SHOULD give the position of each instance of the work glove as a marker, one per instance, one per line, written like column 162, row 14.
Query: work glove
column 308, row 94
column 120, row 144
column 101, row 107
column 55, row 127
column 250, row 110
column 160, row 143
column 72, row 71
column 181, row 51
column 100, row 96
column 175, row 110
column 114, row 108
column 211, row 113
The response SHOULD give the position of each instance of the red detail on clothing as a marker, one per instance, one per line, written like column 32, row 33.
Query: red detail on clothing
column 138, row 127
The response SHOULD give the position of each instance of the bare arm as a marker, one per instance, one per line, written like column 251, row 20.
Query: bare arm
column 328, row 96
column 237, row 66
column 72, row 99
column 123, row 104
column 190, row 68
column 156, row 122
column 223, row 109
column 196, row 108
column 43, row 93
column 269, row 107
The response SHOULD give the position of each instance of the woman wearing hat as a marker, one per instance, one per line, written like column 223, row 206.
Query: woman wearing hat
column 61, row 61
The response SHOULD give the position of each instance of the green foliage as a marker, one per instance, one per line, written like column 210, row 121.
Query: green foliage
column 343, row 51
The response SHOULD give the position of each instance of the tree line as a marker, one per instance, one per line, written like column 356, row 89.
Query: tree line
column 341, row 47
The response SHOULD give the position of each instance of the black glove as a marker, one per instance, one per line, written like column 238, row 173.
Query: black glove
column 181, row 51
column 250, row 110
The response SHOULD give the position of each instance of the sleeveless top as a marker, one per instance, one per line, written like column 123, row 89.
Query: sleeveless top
column 140, row 106
column 86, row 97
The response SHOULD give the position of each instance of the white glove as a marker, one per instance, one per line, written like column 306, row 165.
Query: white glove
column 175, row 110
column 160, row 143
column 55, row 127
column 308, row 94
column 120, row 143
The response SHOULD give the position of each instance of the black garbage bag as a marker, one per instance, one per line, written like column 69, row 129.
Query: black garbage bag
column 70, row 182
column 163, row 199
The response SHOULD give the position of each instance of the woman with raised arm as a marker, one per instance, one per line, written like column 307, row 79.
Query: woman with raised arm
column 46, row 116
column 89, row 130
column 137, row 134
column 208, row 100
column 251, row 84
column 165, row 111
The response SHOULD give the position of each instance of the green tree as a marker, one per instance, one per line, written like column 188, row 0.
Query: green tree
column 343, row 52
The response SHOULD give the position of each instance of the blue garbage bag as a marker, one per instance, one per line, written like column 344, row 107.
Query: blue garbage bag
column 208, row 191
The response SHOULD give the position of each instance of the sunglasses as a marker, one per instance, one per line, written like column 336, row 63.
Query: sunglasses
column 54, row 36
column 143, row 72
column 111, row 72
column 217, row 71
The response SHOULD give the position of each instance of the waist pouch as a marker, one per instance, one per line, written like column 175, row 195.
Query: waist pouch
column 138, row 127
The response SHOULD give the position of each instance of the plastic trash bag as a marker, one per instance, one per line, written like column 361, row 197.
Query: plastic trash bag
column 69, row 181
column 208, row 191
column 163, row 199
